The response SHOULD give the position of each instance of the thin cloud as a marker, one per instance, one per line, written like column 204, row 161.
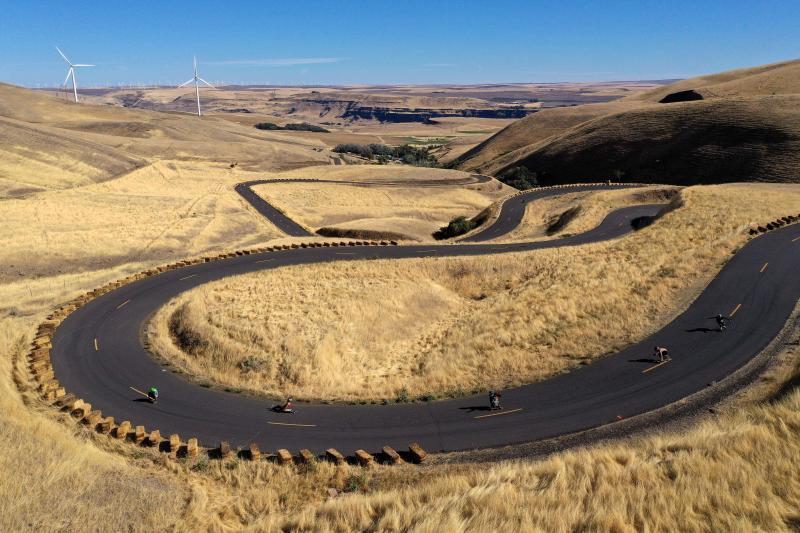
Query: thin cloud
column 280, row 62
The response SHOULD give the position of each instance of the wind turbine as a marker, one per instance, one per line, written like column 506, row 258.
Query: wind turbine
column 71, row 72
column 196, row 79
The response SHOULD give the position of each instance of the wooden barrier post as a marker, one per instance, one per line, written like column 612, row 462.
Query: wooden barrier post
column 306, row 457
column 174, row 443
column 106, row 425
column 122, row 430
column 225, row 450
column 333, row 455
column 417, row 453
column 255, row 453
column 284, row 457
column 364, row 458
column 392, row 455
column 192, row 449
column 154, row 439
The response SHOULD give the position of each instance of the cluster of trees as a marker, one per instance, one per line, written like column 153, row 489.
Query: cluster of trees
column 520, row 178
column 410, row 155
column 303, row 126
column 458, row 226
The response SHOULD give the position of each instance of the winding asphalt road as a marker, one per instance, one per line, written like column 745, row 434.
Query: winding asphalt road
column 759, row 286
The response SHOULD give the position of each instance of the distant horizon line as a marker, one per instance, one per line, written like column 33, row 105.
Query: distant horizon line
column 222, row 84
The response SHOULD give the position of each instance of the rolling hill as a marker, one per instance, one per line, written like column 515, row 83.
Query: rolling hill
column 741, row 125
column 50, row 143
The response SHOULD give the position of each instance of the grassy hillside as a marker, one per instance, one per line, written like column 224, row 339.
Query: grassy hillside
column 50, row 143
column 744, row 126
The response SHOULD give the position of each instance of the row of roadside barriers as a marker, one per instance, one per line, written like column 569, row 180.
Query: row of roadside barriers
column 777, row 223
column 51, row 391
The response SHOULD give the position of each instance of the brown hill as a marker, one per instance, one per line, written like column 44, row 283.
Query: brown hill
column 734, row 126
column 47, row 142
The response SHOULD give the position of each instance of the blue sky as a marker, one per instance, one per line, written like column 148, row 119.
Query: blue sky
column 432, row 41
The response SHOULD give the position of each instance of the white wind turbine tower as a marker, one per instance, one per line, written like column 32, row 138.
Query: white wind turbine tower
column 196, row 79
column 71, row 72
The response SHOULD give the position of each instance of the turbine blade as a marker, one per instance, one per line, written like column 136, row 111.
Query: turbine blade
column 82, row 65
column 69, row 73
column 186, row 83
column 62, row 55
column 204, row 81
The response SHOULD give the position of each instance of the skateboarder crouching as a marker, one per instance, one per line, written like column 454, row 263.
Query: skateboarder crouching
column 661, row 353
column 494, row 400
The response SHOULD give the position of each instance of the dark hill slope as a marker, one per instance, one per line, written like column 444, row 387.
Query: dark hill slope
column 756, row 139
column 742, row 125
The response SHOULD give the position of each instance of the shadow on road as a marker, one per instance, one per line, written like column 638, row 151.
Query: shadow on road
column 473, row 408
column 701, row 330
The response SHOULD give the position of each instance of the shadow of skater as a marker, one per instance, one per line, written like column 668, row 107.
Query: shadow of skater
column 701, row 330
column 472, row 408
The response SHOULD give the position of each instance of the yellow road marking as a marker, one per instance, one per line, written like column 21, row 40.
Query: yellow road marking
column 646, row 370
column 764, row 267
column 498, row 414
column 120, row 306
column 140, row 392
column 264, row 260
column 187, row 277
column 288, row 424
column 96, row 347
column 796, row 239
column 735, row 309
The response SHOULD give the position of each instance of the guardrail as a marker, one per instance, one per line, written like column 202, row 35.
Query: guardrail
column 51, row 391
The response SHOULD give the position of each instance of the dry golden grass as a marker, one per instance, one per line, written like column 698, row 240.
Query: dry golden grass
column 444, row 326
column 413, row 210
column 737, row 472
column 54, row 479
column 166, row 210
column 47, row 143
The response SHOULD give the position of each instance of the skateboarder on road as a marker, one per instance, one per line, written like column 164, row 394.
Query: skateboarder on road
column 722, row 322
column 662, row 354
column 494, row 400
column 287, row 407
column 152, row 395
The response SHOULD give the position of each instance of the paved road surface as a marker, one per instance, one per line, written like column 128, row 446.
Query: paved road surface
column 760, row 297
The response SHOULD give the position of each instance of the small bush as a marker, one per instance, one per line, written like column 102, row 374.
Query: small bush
column 458, row 226
column 251, row 364
column 200, row 466
column 402, row 396
column 356, row 482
